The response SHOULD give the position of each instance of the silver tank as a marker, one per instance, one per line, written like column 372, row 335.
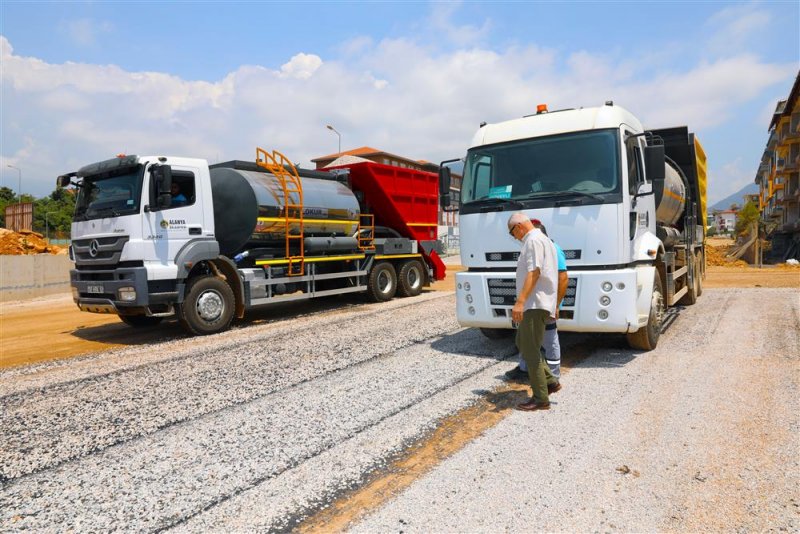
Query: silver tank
column 673, row 198
column 249, row 209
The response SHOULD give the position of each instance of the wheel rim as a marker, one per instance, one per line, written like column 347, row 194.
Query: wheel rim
column 384, row 282
column 210, row 305
column 414, row 278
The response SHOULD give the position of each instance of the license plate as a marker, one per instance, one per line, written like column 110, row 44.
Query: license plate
column 96, row 288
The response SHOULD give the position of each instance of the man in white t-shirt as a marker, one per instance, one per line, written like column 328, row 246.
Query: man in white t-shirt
column 537, row 288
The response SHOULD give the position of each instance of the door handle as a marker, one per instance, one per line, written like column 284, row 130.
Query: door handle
column 194, row 230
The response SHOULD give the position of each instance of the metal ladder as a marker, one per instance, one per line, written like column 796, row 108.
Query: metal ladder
column 366, row 221
column 280, row 166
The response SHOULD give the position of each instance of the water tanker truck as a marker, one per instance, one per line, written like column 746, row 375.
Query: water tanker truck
column 156, row 237
column 626, row 204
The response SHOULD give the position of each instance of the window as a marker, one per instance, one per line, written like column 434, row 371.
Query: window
column 634, row 154
column 183, row 189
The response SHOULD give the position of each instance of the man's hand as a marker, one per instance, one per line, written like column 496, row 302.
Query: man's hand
column 516, row 312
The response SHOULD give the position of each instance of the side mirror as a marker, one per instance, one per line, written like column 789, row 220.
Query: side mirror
column 64, row 180
column 160, row 185
column 654, row 162
column 444, row 186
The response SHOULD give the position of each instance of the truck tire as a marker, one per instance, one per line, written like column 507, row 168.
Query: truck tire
column 140, row 321
column 497, row 333
column 699, row 269
column 382, row 284
column 690, row 297
column 208, row 307
column 646, row 338
column 410, row 279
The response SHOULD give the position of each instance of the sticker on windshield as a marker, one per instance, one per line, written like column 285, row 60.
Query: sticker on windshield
column 502, row 191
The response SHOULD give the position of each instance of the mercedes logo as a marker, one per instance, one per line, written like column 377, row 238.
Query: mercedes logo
column 93, row 247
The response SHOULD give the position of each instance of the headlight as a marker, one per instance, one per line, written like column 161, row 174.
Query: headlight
column 459, row 285
column 605, row 300
column 607, row 286
column 620, row 286
column 602, row 314
column 467, row 286
column 471, row 310
column 469, row 299
column 127, row 294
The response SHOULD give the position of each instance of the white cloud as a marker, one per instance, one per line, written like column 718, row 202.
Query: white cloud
column 301, row 66
column 397, row 95
column 733, row 27
column 85, row 32
column 441, row 23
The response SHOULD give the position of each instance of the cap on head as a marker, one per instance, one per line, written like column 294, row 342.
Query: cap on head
column 538, row 224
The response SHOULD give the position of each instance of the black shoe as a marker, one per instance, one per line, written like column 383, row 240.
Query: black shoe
column 517, row 374
column 552, row 388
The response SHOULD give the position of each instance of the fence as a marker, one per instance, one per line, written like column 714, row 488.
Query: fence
column 36, row 275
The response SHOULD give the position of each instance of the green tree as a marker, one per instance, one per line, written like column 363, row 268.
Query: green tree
column 53, row 214
column 745, row 218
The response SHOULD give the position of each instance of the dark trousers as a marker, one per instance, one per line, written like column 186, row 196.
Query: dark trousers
column 530, row 335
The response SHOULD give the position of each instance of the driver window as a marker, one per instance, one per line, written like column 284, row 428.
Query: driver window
column 634, row 156
column 183, row 189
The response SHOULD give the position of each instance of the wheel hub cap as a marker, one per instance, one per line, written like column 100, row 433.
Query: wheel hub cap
column 210, row 305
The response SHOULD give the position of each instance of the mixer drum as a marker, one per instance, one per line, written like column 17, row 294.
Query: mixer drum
column 673, row 198
column 249, row 209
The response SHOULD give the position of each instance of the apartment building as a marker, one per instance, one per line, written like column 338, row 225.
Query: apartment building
column 778, row 178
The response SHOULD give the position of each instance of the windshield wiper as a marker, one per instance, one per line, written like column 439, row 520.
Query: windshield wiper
column 562, row 194
column 488, row 201
column 111, row 211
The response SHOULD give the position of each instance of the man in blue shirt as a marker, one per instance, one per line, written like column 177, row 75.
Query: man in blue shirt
column 178, row 198
column 550, row 346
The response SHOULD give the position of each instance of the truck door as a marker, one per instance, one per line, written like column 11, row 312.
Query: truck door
column 169, row 229
column 643, row 207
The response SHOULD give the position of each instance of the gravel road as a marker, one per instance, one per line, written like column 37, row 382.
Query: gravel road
column 262, row 427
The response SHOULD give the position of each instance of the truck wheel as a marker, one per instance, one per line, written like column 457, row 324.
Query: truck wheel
column 497, row 333
column 208, row 307
column 646, row 338
column 382, row 284
column 699, row 269
column 410, row 279
column 140, row 321
column 691, row 296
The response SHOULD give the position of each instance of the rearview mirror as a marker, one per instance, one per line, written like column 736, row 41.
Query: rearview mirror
column 160, row 185
column 654, row 162
column 64, row 180
column 444, row 186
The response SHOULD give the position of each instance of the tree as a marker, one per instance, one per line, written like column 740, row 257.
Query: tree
column 745, row 218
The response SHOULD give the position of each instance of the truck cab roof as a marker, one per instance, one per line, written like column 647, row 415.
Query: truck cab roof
column 556, row 122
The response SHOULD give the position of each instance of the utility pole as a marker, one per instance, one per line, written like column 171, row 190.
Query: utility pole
column 19, row 189
column 334, row 130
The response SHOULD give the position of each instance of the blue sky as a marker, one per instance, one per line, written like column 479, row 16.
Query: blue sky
column 82, row 81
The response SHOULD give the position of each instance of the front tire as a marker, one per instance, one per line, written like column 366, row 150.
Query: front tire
column 646, row 338
column 410, row 279
column 382, row 283
column 140, row 321
column 497, row 333
column 208, row 307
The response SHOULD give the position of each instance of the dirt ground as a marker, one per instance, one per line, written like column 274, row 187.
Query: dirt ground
column 70, row 332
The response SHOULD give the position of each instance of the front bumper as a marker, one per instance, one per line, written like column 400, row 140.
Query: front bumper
column 491, row 295
column 101, row 291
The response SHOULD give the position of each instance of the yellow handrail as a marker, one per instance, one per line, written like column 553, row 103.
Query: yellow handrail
column 286, row 173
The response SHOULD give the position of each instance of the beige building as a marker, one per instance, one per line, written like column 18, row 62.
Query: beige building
column 777, row 177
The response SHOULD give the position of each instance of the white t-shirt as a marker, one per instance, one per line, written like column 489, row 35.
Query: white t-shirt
column 539, row 252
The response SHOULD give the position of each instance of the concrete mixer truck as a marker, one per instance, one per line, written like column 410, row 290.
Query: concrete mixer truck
column 627, row 206
column 156, row 236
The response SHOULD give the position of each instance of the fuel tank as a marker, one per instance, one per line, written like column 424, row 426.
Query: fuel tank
column 673, row 197
column 249, row 209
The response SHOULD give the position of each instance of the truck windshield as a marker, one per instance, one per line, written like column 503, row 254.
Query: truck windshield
column 580, row 167
column 109, row 196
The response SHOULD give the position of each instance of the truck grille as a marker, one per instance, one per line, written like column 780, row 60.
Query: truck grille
column 572, row 291
column 502, row 291
column 502, row 256
column 98, row 251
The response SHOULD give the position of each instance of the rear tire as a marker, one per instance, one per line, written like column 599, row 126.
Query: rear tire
column 646, row 338
column 497, row 333
column 208, row 307
column 140, row 321
column 382, row 284
column 410, row 279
